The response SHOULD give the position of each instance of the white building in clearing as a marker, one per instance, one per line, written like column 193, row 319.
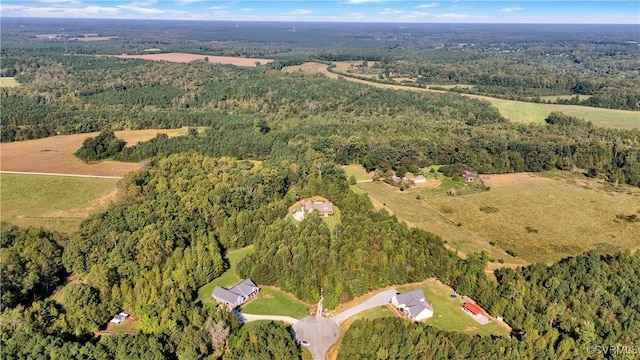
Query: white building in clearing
column 420, row 179
column 413, row 305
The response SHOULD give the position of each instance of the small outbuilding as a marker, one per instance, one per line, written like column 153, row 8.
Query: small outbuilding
column 420, row 179
column 117, row 319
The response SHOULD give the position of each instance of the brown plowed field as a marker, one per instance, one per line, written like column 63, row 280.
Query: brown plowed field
column 184, row 57
column 55, row 154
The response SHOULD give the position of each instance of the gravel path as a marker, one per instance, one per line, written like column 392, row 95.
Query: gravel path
column 252, row 317
column 379, row 299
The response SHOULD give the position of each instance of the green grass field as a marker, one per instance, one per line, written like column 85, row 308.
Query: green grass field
column 228, row 278
column 527, row 112
column 410, row 206
column 272, row 301
column 57, row 203
column 549, row 216
column 448, row 314
column 8, row 82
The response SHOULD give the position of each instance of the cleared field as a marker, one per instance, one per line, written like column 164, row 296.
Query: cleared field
column 54, row 202
column 546, row 218
column 228, row 278
column 527, row 112
column 8, row 82
column 55, row 154
column 184, row 58
column 410, row 206
column 518, row 111
column 272, row 301
column 563, row 97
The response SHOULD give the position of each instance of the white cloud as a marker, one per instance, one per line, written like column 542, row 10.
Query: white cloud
column 143, row 3
column 426, row 6
column 452, row 16
column 187, row 2
column 298, row 12
column 217, row 7
column 70, row 2
column 509, row 9
column 247, row 9
column 356, row 2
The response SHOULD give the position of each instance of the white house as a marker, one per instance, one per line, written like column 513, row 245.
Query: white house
column 420, row 179
column 413, row 305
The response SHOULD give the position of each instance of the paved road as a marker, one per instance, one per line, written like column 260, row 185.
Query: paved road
column 379, row 299
column 320, row 332
column 252, row 317
column 58, row 174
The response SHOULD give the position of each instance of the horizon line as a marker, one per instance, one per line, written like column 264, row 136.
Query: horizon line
column 315, row 21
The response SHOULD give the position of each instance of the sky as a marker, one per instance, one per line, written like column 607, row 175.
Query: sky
column 415, row 11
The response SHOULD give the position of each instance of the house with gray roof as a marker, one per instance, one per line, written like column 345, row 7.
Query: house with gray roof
column 413, row 305
column 237, row 294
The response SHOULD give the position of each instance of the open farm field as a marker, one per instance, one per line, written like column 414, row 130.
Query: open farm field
column 57, row 203
column 8, row 82
column 544, row 218
column 184, row 58
column 55, row 154
column 517, row 111
column 520, row 111
column 416, row 212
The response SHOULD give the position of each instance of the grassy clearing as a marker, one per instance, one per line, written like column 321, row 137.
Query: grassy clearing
column 57, row 203
column 447, row 312
column 527, row 112
column 410, row 206
column 8, row 82
column 228, row 278
column 358, row 172
column 272, row 301
column 563, row 97
column 548, row 217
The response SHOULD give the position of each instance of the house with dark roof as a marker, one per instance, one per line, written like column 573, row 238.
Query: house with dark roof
column 413, row 305
column 325, row 208
column 237, row 294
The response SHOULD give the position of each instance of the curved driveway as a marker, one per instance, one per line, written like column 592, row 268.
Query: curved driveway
column 379, row 299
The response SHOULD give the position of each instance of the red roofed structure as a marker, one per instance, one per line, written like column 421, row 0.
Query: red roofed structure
column 473, row 309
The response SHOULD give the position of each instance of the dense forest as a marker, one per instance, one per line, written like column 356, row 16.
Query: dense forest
column 263, row 112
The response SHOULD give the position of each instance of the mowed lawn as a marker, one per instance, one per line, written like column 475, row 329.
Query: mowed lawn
column 519, row 111
column 229, row 277
column 270, row 300
column 546, row 217
column 273, row 301
column 447, row 312
column 54, row 202
column 411, row 206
